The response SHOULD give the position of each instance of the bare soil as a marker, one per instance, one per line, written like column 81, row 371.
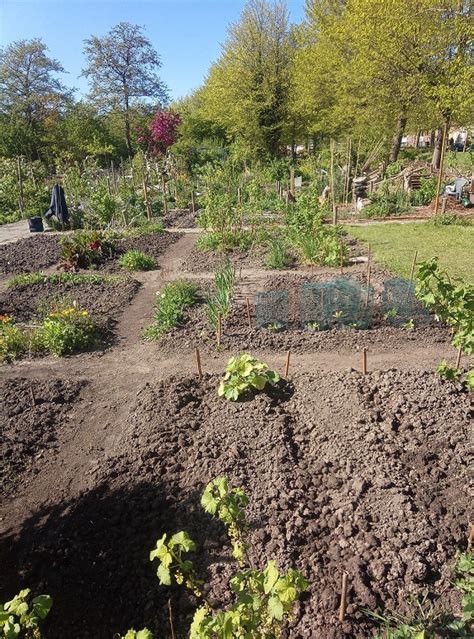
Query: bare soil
column 366, row 474
column 180, row 218
column 29, row 254
column 344, row 472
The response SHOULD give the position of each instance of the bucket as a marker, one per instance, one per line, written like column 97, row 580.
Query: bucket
column 36, row 224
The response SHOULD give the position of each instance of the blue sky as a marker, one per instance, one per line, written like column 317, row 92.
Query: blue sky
column 186, row 33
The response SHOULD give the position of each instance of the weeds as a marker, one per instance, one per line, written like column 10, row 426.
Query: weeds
column 137, row 261
column 30, row 279
column 170, row 306
column 66, row 330
column 13, row 339
column 278, row 256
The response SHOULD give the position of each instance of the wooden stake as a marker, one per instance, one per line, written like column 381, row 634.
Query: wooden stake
column 21, row 199
column 343, row 604
column 145, row 196
column 249, row 317
column 170, row 613
column 334, row 214
column 219, row 330
column 458, row 358
column 441, row 165
column 287, row 363
column 163, row 189
column 193, row 202
column 368, row 287
column 364, row 360
column 292, row 181
column 341, row 258
column 239, row 195
column 331, row 177
column 412, row 273
column 198, row 362
column 33, row 399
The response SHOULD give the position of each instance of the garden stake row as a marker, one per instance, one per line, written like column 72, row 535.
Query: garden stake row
column 343, row 604
column 198, row 362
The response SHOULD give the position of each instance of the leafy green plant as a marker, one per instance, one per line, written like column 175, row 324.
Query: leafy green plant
column 273, row 327
column 65, row 330
column 409, row 325
column 22, row 616
column 448, row 372
column 218, row 301
column 469, row 379
column 170, row 307
column 313, row 326
column 392, row 313
column 138, row 634
column 13, row 339
column 225, row 241
column 245, row 373
column 262, row 599
column 385, row 203
column 452, row 301
column 137, row 261
column 83, row 249
column 465, row 583
column 425, row 193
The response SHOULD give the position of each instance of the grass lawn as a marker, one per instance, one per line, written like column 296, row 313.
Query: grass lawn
column 394, row 245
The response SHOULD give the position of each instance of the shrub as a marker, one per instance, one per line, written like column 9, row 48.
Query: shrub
column 66, row 330
column 245, row 373
column 22, row 615
column 385, row 203
column 262, row 599
column 425, row 194
column 13, row 339
column 137, row 261
column 278, row 256
column 171, row 304
column 225, row 241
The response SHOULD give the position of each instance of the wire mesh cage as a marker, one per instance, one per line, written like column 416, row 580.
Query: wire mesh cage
column 352, row 303
column 272, row 310
column 315, row 307
column 399, row 305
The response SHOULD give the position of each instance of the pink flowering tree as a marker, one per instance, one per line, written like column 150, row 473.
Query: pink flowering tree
column 160, row 134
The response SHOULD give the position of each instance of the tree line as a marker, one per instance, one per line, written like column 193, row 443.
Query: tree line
column 362, row 68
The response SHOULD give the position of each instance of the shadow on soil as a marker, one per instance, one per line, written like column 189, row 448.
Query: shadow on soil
column 92, row 557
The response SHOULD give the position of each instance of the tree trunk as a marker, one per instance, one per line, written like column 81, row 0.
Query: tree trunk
column 397, row 138
column 432, row 139
column 436, row 159
column 417, row 139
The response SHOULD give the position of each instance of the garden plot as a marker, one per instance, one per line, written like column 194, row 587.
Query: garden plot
column 103, row 298
column 364, row 474
column 200, row 261
column 180, row 218
column 30, row 254
column 33, row 415
column 305, row 313
column 42, row 251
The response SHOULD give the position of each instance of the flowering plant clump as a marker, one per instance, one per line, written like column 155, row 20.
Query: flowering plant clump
column 13, row 340
column 160, row 134
column 66, row 331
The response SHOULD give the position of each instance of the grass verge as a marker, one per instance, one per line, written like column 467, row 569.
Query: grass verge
column 394, row 245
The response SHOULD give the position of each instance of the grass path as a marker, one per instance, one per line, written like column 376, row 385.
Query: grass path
column 394, row 245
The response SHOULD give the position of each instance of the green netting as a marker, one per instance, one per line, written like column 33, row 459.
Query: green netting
column 399, row 305
column 272, row 309
column 351, row 303
column 341, row 302
column 315, row 311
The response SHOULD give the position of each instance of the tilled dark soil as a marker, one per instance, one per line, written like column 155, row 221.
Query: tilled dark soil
column 203, row 261
column 32, row 412
column 29, row 254
column 345, row 472
column 181, row 219
column 105, row 300
column 153, row 244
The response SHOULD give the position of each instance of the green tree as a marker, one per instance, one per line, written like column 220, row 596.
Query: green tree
column 247, row 89
column 121, row 67
column 30, row 93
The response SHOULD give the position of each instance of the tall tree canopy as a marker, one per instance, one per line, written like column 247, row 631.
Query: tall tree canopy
column 122, row 69
column 247, row 89
column 30, row 92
